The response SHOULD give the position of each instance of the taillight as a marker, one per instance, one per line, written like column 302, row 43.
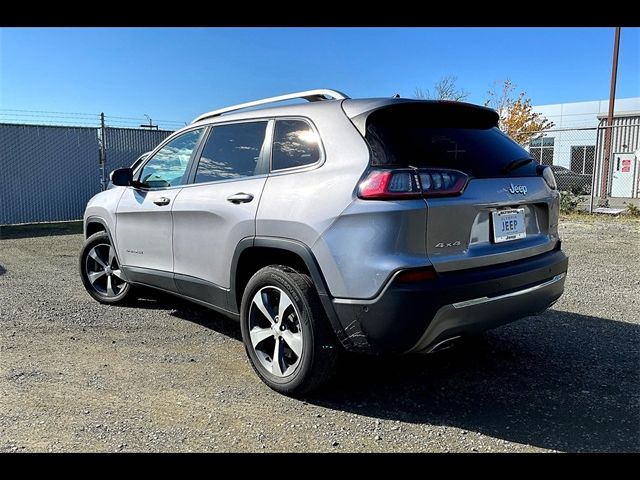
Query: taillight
column 412, row 183
column 550, row 178
column 440, row 183
column 388, row 184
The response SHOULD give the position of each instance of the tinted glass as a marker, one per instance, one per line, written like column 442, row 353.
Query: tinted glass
column 167, row 167
column 231, row 151
column 536, row 154
column 460, row 138
column 589, row 156
column 295, row 144
column 547, row 156
column 582, row 158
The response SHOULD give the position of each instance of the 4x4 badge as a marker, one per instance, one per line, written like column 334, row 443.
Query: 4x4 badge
column 448, row 244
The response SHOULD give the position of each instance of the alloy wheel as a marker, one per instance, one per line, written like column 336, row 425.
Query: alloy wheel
column 103, row 271
column 275, row 331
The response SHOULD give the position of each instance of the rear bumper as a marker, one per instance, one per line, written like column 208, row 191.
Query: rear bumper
column 417, row 317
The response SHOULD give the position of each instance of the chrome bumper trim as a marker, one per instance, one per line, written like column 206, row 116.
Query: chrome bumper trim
column 476, row 301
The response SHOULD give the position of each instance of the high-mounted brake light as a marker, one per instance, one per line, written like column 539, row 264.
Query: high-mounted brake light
column 412, row 183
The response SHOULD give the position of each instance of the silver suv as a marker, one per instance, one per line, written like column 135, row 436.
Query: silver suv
column 374, row 225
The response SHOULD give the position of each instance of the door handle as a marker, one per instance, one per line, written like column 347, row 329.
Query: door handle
column 162, row 201
column 240, row 198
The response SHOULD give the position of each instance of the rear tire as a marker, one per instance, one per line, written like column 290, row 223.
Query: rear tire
column 293, row 351
column 100, row 271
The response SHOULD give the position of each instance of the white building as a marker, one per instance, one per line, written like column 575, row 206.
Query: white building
column 576, row 142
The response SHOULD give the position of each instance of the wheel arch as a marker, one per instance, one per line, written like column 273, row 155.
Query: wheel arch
column 252, row 254
column 94, row 225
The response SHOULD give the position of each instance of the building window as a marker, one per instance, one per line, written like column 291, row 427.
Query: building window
column 541, row 149
column 582, row 158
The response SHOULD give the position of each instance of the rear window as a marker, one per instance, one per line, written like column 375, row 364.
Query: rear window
column 444, row 136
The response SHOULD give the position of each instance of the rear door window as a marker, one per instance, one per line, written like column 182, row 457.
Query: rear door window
column 444, row 136
column 232, row 151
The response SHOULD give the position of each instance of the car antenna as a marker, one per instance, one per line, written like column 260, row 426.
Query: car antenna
column 397, row 95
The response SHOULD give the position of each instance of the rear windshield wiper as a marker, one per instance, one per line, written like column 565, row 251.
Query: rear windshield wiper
column 521, row 162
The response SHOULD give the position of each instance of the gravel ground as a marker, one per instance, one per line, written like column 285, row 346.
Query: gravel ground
column 165, row 375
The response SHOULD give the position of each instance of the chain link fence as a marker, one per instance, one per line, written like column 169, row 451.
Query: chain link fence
column 46, row 173
column 49, row 172
column 594, row 173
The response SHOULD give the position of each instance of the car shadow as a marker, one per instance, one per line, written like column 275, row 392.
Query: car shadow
column 148, row 298
column 559, row 381
column 2, row 270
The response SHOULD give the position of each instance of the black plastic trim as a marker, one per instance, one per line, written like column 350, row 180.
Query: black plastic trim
column 150, row 277
column 94, row 219
column 203, row 290
column 304, row 252
column 397, row 318
column 166, row 282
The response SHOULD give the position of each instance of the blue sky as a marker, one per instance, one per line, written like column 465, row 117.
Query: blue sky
column 177, row 73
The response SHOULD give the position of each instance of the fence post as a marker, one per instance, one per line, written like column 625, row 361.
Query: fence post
column 103, row 154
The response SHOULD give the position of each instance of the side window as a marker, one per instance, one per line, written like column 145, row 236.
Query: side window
column 231, row 151
column 295, row 144
column 167, row 167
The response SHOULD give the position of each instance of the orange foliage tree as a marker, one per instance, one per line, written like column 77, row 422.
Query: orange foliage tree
column 517, row 118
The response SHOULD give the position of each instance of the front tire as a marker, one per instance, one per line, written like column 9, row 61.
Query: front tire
column 100, row 271
column 285, row 331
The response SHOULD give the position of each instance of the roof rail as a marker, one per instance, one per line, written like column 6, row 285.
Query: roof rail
column 309, row 95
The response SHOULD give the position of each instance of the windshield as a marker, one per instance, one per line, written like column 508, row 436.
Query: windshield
column 457, row 138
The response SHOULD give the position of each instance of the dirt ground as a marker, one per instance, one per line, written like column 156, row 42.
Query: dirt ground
column 166, row 375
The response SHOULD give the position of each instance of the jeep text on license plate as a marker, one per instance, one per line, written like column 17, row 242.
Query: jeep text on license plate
column 508, row 225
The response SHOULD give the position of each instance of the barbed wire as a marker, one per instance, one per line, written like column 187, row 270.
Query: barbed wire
column 48, row 117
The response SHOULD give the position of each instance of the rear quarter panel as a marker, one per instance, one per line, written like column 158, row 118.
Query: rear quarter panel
column 301, row 204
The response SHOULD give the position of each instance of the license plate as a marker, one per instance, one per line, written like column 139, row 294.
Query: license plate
column 508, row 225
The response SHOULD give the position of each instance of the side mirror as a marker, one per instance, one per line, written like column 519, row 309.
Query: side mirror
column 122, row 177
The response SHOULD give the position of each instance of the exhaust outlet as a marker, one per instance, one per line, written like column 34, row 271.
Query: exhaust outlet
column 444, row 344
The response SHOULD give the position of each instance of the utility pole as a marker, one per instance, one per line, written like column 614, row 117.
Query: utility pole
column 151, row 126
column 103, row 154
column 604, row 186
